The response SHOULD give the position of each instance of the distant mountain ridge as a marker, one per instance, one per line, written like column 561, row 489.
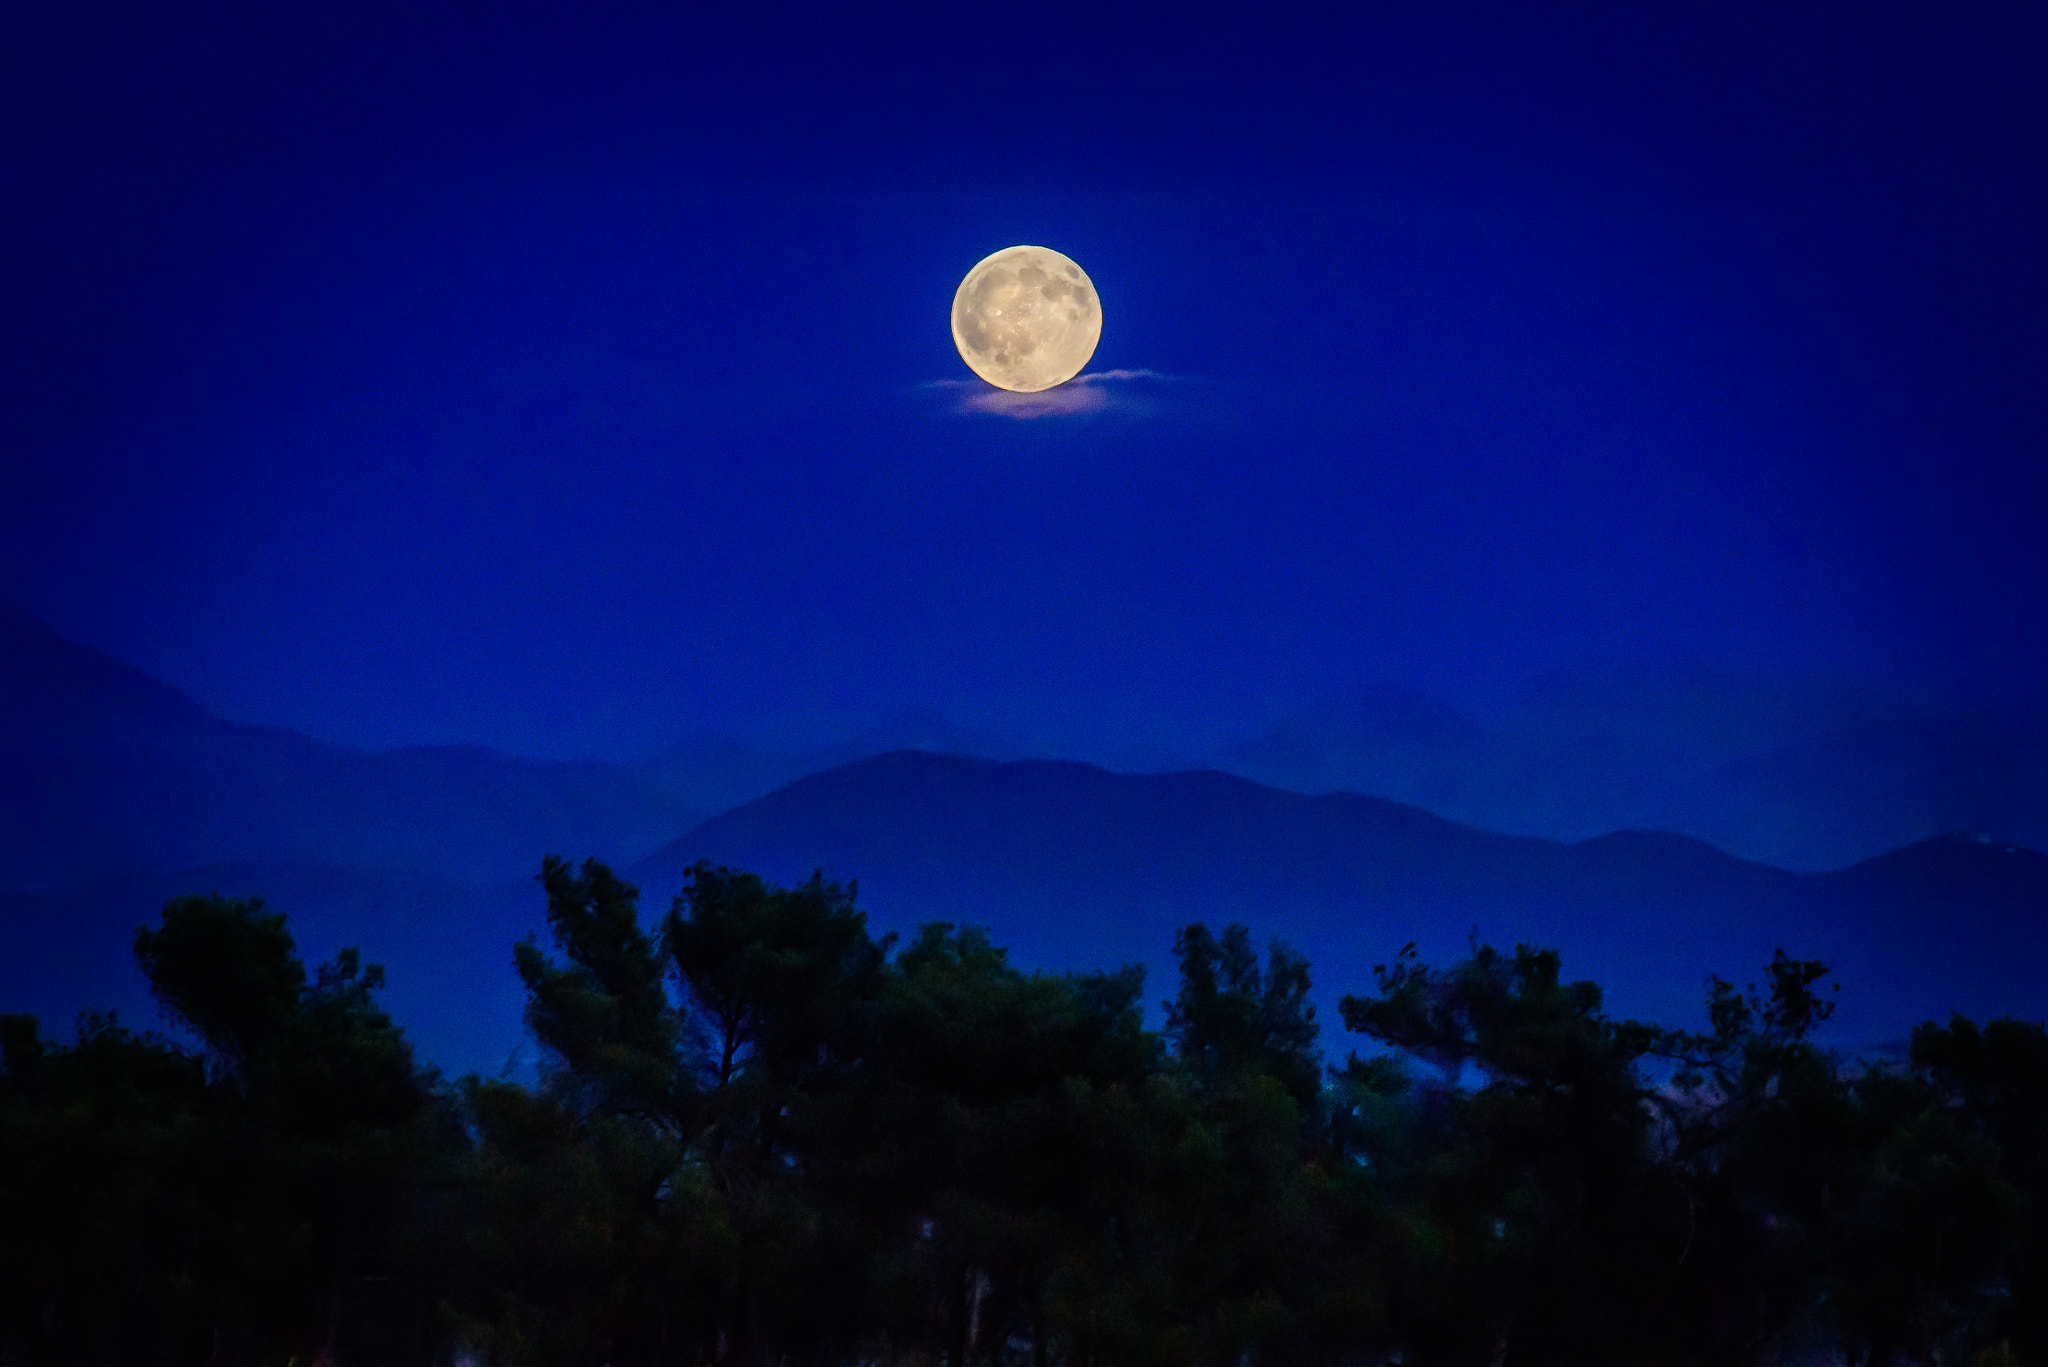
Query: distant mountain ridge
column 111, row 772
column 1075, row 866
column 121, row 792
column 1794, row 773
column 1798, row 775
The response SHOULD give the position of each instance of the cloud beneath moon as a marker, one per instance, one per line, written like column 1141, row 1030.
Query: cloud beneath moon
column 1058, row 402
column 1098, row 391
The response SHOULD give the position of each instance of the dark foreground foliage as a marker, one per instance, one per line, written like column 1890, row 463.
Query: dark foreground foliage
column 764, row 1136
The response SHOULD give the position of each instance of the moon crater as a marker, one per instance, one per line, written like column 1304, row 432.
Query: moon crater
column 1026, row 319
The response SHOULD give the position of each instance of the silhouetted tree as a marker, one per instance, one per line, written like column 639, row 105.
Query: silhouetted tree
column 1528, row 1226
column 1229, row 1020
column 779, row 986
column 1244, row 1202
column 604, row 1017
column 250, row 1204
column 1993, row 1081
column 995, row 1127
column 763, row 1136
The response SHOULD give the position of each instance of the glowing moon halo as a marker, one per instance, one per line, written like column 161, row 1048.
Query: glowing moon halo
column 1026, row 319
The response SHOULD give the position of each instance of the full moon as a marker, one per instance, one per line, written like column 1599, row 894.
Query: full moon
column 1026, row 319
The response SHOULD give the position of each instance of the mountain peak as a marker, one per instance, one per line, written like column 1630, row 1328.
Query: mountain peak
column 45, row 675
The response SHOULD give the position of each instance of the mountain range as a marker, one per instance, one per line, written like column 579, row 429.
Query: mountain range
column 121, row 793
column 1801, row 774
column 112, row 773
column 1076, row 867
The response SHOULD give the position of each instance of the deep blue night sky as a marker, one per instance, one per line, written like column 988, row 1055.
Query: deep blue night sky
column 569, row 381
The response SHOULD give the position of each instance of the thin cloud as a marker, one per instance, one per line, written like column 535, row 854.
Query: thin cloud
column 1058, row 402
column 1095, row 392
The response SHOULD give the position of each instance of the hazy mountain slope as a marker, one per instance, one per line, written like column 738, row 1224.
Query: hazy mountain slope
column 1876, row 786
column 1972, row 913
column 120, row 793
column 107, row 772
column 1074, row 866
column 722, row 771
column 1799, row 775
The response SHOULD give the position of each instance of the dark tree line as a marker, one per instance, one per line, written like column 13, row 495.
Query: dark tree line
column 763, row 1135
